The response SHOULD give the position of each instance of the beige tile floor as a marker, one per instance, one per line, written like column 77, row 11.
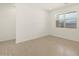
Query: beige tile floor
column 44, row 46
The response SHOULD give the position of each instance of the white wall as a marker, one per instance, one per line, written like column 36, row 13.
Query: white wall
column 7, row 23
column 31, row 23
column 67, row 33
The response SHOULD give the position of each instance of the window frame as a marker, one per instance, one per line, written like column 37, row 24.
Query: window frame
column 65, row 19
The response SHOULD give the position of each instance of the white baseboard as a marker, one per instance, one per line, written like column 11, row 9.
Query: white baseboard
column 7, row 39
column 77, row 40
column 31, row 38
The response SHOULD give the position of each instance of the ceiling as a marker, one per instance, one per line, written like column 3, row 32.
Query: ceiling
column 44, row 6
column 47, row 6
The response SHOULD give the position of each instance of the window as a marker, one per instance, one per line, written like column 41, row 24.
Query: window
column 67, row 20
column 60, row 22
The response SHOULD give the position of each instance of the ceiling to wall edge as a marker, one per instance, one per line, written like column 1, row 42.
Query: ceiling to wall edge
column 7, row 5
column 70, row 4
column 48, row 10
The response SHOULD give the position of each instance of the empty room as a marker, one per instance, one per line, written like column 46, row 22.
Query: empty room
column 39, row 29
